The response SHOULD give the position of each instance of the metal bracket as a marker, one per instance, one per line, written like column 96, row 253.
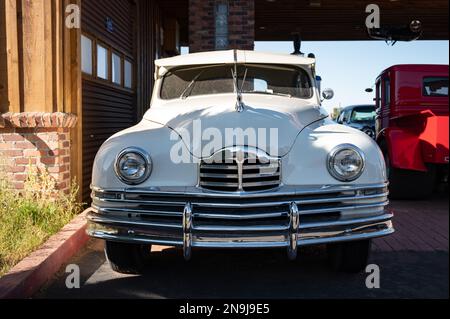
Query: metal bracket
column 294, row 225
column 187, row 231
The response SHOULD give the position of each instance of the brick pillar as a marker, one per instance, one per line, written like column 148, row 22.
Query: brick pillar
column 39, row 139
column 241, row 22
column 202, row 24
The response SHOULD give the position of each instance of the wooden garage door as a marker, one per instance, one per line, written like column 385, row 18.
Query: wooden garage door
column 108, row 63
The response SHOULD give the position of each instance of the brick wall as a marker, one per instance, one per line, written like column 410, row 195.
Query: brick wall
column 201, row 25
column 38, row 139
column 241, row 24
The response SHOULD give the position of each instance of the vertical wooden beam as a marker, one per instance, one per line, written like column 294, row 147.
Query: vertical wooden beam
column 73, row 95
column 49, row 56
column 9, row 58
column 34, row 56
column 58, row 53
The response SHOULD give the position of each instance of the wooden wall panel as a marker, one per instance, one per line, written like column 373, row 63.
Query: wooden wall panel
column 123, row 15
column 106, row 109
column 149, row 18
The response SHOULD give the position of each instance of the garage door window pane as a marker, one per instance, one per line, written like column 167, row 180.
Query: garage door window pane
column 102, row 62
column 128, row 70
column 86, row 55
column 116, row 69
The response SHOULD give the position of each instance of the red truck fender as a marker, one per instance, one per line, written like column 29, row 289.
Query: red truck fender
column 411, row 146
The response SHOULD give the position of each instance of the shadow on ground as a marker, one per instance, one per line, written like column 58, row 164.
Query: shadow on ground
column 256, row 274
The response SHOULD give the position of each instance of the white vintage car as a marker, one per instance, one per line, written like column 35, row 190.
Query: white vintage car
column 237, row 152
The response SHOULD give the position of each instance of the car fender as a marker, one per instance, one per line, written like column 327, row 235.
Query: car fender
column 306, row 164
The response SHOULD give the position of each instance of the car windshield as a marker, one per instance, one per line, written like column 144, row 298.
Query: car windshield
column 366, row 114
column 258, row 79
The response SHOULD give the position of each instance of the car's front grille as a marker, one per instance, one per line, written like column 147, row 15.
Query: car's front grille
column 247, row 175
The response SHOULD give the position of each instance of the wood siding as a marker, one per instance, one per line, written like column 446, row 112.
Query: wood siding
column 149, row 19
column 107, row 109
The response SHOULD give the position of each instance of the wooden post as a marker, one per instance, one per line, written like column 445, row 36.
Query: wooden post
column 72, row 94
column 34, row 56
column 9, row 58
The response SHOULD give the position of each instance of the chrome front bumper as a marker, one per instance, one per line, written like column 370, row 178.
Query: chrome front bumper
column 288, row 217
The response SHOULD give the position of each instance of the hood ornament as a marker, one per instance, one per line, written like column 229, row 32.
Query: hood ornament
column 239, row 104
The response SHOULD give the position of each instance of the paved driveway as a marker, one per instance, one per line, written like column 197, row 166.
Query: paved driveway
column 413, row 264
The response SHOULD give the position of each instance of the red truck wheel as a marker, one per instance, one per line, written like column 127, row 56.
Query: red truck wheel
column 407, row 184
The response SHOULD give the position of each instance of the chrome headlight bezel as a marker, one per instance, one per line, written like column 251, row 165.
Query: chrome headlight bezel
column 147, row 162
column 338, row 149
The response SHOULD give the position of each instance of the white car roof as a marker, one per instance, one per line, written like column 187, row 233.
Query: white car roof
column 230, row 56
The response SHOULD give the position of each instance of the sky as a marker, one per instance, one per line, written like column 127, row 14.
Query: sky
column 349, row 67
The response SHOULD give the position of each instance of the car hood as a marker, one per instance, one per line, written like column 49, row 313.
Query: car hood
column 276, row 121
column 363, row 124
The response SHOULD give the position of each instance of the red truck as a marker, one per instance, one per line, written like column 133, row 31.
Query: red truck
column 412, row 127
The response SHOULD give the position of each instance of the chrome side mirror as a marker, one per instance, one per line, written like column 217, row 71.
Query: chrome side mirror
column 328, row 94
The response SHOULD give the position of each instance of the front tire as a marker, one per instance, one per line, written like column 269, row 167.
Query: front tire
column 127, row 258
column 350, row 257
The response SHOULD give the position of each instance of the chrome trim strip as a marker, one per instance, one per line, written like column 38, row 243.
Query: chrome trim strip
column 342, row 208
column 240, row 217
column 215, row 175
column 249, row 205
column 262, row 166
column 219, row 167
column 256, row 184
column 137, row 240
column 124, row 222
column 268, row 228
column 348, row 222
column 93, row 217
column 282, row 191
column 246, row 176
column 138, row 211
column 203, row 183
column 258, row 242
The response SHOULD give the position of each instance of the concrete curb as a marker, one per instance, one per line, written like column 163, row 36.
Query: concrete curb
column 27, row 277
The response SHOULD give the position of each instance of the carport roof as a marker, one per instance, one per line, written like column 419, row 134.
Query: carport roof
column 329, row 20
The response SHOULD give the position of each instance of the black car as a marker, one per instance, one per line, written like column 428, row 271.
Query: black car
column 361, row 117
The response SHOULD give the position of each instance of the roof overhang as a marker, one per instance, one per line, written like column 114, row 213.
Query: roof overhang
column 328, row 20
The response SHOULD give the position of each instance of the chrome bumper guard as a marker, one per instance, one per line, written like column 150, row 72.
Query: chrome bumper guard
column 287, row 218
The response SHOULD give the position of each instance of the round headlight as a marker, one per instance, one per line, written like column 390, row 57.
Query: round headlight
column 346, row 163
column 133, row 166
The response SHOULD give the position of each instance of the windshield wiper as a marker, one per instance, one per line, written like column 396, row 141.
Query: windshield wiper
column 269, row 93
column 187, row 91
